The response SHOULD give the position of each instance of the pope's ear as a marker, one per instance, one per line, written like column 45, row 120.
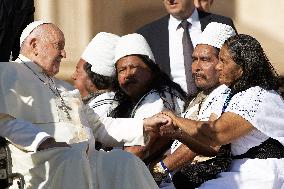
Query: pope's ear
column 33, row 44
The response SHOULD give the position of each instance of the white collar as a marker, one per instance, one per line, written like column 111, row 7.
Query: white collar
column 193, row 19
column 24, row 60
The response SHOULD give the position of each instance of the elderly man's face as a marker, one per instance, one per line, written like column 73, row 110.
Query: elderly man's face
column 180, row 9
column 228, row 70
column 50, row 51
column 133, row 75
column 204, row 60
column 81, row 79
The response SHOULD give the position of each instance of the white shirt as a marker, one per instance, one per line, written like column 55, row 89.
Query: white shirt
column 213, row 102
column 176, row 49
column 264, row 110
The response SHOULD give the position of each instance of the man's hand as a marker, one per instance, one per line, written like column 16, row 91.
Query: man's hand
column 170, row 115
column 169, row 130
column 51, row 143
column 153, row 124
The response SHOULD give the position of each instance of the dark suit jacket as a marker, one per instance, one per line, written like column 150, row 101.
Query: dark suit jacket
column 157, row 35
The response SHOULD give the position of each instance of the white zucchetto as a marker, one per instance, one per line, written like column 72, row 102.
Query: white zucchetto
column 215, row 34
column 28, row 30
column 132, row 44
column 100, row 53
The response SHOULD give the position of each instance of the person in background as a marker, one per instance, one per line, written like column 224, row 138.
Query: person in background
column 172, row 45
column 203, row 5
column 30, row 91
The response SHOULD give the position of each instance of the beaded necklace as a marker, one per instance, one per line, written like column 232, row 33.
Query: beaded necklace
column 51, row 85
column 227, row 101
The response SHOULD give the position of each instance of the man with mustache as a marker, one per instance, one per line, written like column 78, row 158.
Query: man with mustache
column 204, row 60
column 165, row 38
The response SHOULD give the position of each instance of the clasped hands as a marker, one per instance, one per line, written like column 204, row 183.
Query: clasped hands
column 163, row 124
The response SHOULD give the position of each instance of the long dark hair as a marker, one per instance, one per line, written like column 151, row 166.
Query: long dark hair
column 247, row 52
column 160, row 81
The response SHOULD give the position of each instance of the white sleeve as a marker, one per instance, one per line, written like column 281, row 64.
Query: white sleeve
column 121, row 131
column 22, row 134
column 263, row 109
column 247, row 104
column 114, row 131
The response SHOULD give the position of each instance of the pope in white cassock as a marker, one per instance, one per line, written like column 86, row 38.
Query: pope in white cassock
column 30, row 91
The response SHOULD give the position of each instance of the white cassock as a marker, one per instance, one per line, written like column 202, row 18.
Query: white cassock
column 28, row 94
column 31, row 136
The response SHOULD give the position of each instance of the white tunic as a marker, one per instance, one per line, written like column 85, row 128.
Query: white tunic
column 211, row 102
column 119, row 132
column 265, row 111
column 205, row 110
column 103, row 104
column 153, row 103
column 24, row 95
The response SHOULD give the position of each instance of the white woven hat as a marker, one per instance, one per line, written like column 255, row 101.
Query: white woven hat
column 100, row 53
column 215, row 34
column 28, row 30
column 132, row 44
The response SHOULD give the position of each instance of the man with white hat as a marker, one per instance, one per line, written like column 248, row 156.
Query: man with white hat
column 30, row 91
column 205, row 58
column 144, row 89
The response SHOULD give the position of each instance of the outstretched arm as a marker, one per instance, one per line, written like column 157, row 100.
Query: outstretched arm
column 166, row 124
column 225, row 129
